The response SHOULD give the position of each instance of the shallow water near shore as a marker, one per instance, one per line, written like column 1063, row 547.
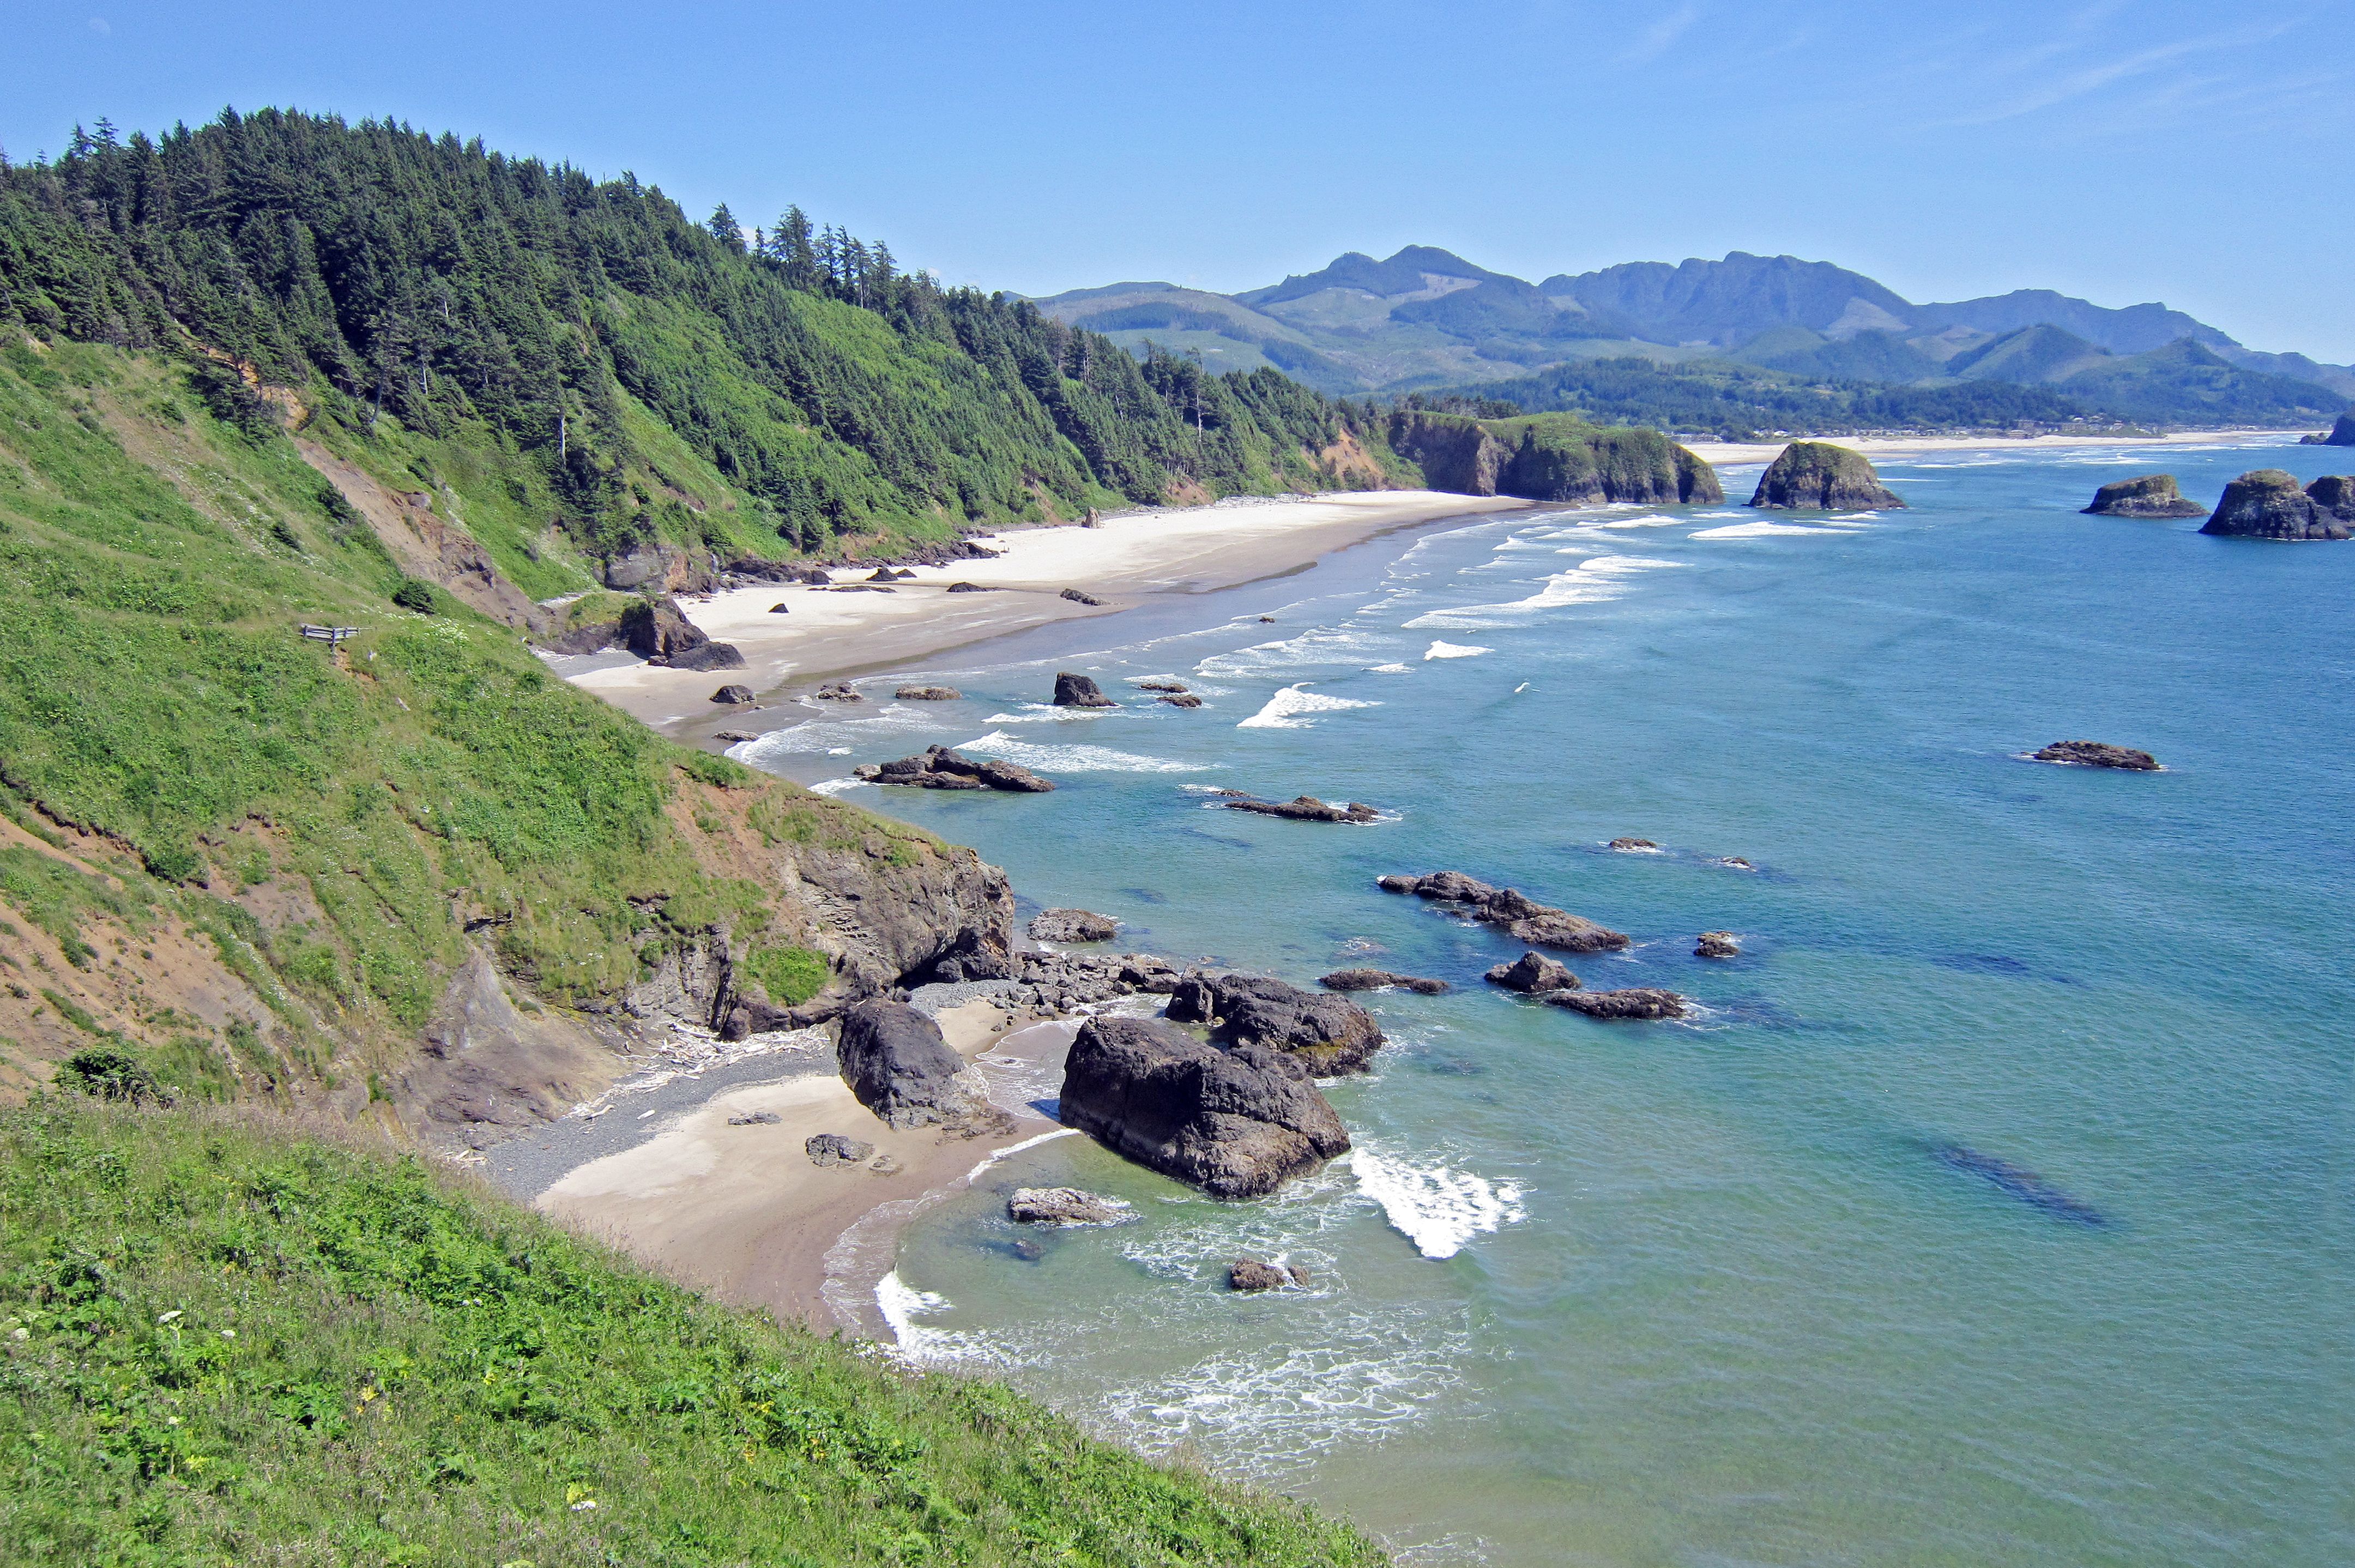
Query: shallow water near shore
column 1994, row 1208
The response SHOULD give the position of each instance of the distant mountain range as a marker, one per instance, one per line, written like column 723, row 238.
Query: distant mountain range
column 1427, row 320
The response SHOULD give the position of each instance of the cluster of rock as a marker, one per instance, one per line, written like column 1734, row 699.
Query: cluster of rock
column 943, row 768
column 2267, row 504
column 1174, row 693
column 1065, row 1206
column 1234, row 1119
column 1072, row 926
column 899, row 1066
column 1079, row 692
column 1299, row 808
column 886, row 575
column 1816, row 476
column 655, row 629
column 2145, row 495
column 1541, row 979
column 1717, row 945
column 1515, row 913
column 929, row 694
column 1327, row 1034
column 1633, row 846
column 1382, row 980
column 1062, row 982
column 838, row 692
column 2096, row 754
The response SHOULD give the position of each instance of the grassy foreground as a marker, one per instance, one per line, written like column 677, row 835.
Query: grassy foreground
column 220, row 1343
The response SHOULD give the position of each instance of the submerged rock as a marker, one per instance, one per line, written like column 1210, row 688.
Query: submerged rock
column 929, row 694
column 1634, row 1001
column 1236, row 1121
column 1248, row 1274
column 1160, row 685
column 1521, row 916
column 1180, row 699
column 1627, row 845
column 899, row 1065
column 1376, row 979
column 1533, row 974
column 2267, row 504
column 1717, row 945
column 1816, row 476
column 833, row 1148
column 941, row 768
column 2146, row 495
column 1065, row 1206
column 1301, row 807
column 1079, row 692
column 2098, row 754
column 1072, row 926
column 1326, row 1033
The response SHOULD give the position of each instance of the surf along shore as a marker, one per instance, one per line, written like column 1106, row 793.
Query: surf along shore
column 826, row 633
column 717, row 1190
column 1737, row 452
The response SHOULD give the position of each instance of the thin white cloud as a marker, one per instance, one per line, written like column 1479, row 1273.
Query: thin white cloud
column 1661, row 35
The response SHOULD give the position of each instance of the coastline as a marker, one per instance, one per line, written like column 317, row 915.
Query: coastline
column 1737, row 452
column 1122, row 562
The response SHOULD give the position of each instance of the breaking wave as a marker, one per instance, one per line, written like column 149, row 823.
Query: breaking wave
column 1290, row 708
column 1453, row 650
column 1072, row 758
column 1437, row 1209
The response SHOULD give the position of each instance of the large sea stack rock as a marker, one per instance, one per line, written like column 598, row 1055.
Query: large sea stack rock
column 2333, row 493
column 1550, row 457
column 2267, row 504
column 1079, row 692
column 1325, row 1034
column 1518, row 915
column 1235, row 1121
column 2342, row 431
column 2146, row 495
column 900, row 1067
column 1816, row 476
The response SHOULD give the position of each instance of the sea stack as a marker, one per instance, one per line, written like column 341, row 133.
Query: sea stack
column 1816, row 476
column 2343, row 432
column 1079, row 692
column 2267, row 504
column 2146, row 495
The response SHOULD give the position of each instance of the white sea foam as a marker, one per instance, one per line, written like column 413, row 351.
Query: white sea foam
column 1453, row 650
column 1050, row 760
column 1315, row 647
column 1593, row 580
column 1436, row 1208
column 837, row 786
column 1760, row 530
column 1291, row 708
column 1391, row 669
column 830, row 736
column 903, row 1306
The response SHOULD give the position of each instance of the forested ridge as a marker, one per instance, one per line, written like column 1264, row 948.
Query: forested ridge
column 414, row 289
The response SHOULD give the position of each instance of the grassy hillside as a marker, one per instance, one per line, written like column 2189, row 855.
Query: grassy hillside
column 220, row 1342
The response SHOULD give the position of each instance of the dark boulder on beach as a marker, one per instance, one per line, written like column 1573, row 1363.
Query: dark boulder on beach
column 1533, row 974
column 1065, row 1206
column 735, row 736
column 969, row 587
column 1072, row 926
column 1520, row 915
column 1634, row 1001
column 942, row 768
column 1326, row 1033
column 734, row 695
column 1079, row 692
column 1303, row 808
column 833, row 1148
column 899, row 1065
column 2267, row 504
column 1236, row 1121
column 1717, row 945
column 658, row 631
column 780, row 608
column 2097, row 754
column 1380, row 980
column 1076, row 597
column 1816, row 476
column 2146, row 495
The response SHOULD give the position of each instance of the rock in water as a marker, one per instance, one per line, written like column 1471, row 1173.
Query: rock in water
column 1236, row 1122
column 2342, row 431
column 1252, row 1274
column 1065, row 1206
column 1180, row 699
column 1533, row 974
column 942, row 768
column 2334, row 494
column 1717, row 945
column 1301, row 807
column 929, row 694
column 1626, row 846
column 1160, row 685
column 1325, row 1033
column 1079, row 692
column 2267, row 504
column 1540, row 925
column 2146, row 496
column 1634, row 1001
column 833, row 1148
column 732, row 695
column 1816, row 476
column 2098, row 754
column 900, row 1067
column 1375, row 979
column 1072, row 926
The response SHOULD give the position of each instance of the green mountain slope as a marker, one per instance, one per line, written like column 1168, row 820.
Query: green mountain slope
column 221, row 1344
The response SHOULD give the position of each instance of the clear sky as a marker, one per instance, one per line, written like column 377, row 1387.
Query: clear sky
column 2196, row 154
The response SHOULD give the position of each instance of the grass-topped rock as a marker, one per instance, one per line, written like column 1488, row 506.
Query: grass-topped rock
column 2145, row 495
column 2267, row 504
column 1816, row 476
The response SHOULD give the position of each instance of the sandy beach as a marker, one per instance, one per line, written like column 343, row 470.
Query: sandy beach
column 1724, row 452
column 825, row 634
column 735, row 1206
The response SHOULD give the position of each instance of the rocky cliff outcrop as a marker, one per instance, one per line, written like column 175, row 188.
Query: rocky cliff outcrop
column 1556, row 458
column 1325, row 1034
column 1816, row 476
column 2267, row 504
column 2146, row 495
column 1236, row 1121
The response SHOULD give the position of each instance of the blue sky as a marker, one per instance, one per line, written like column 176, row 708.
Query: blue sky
column 2193, row 154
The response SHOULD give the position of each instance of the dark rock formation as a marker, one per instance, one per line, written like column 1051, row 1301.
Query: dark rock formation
column 710, row 656
column 1160, row 685
column 1518, row 915
column 658, row 631
column 2097, row 754
column 1325, row 1033
column 886, row 575
column 838, row 692
column 969, row 587
column 2342, row 431
column 815, row 576
column 833, row 1148
column 1065, row 1206
column 1556, row 458
column 732, row 695
column 896, row 1062
column 1717, row 945
column 1248, row 1274
column 1072, row 926
column 1533, row 974
column 1816, row 476
column 2146, row 495
column 1180, row 699
column 1624, row 845
column 1375, row 979
column 1076, row 597
column 780, row 608
column 940, row 768
column 1235, row 1121
column 1305, row 808
column 2267, row 504
column 1636, row 1002
column 735, row 736
column 754, row 1118
column 1079, row 692
column 929, row 694
column 2334, row 494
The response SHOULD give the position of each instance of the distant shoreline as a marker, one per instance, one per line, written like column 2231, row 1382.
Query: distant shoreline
column 1734, row 453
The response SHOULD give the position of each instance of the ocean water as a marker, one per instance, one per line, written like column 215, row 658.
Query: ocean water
column 1993, row 1210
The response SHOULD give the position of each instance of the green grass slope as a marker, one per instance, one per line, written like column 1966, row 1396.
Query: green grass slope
column 222, row 1343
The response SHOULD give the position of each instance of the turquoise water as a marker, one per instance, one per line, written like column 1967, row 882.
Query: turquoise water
column 1744, row 1289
